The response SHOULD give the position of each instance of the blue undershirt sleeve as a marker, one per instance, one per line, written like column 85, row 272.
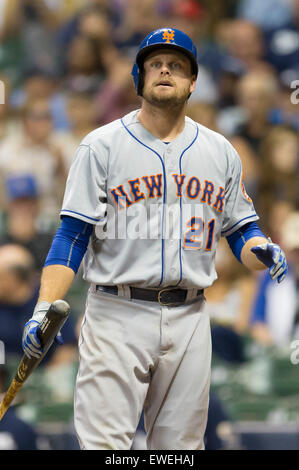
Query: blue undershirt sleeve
column 70, row 243
column 238, row 238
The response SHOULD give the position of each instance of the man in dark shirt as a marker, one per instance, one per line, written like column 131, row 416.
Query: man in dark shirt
column 21, row 213
column 19, row 288
column 15, row 434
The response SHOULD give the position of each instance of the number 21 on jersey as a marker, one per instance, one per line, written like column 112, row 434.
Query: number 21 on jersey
column 195, row 231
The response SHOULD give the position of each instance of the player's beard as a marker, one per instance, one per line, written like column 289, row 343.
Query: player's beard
column 154, row 97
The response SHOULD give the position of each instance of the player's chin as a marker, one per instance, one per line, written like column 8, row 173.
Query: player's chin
column 166, row 97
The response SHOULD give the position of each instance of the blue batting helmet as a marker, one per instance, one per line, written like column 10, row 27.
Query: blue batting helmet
column 164, row 37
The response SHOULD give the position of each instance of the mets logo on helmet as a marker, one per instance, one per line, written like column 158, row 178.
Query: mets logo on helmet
column 168, row 35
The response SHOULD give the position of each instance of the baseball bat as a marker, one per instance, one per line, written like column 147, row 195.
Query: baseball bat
column 48, row 329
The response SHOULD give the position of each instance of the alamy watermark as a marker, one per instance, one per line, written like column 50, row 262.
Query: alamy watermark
column 2, row 353
column 295, row 94
column 153, row 222
column 295, row 354
column 2, row 92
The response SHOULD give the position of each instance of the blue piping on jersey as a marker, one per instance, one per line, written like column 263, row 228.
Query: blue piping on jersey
column 249, row 217
column 79, row 213
column 180, row 250
column 164, row 192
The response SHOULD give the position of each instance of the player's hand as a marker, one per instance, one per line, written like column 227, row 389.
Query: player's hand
column 30, row 343
column 274, row 258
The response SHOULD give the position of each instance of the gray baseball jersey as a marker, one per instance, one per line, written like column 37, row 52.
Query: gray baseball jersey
column 158, row 209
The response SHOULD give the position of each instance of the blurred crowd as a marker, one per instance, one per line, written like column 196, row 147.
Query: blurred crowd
column 65, row 70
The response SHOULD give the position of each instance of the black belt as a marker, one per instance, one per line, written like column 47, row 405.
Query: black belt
column 167, row 296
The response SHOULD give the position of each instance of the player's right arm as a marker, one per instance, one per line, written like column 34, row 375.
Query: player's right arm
column 62, row 263
column 85, row 188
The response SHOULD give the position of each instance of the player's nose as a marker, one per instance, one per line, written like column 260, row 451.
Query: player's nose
column 165, row 69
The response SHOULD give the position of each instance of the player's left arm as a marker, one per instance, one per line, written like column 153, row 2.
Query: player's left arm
column 256, row 252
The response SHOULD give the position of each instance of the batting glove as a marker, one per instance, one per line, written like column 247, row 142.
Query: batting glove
column 30, row 343
column 274, row 258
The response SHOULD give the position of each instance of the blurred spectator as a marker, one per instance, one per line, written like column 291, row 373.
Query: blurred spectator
column 244, row 41
column 11, row 57
column 32, row 152
column 15, row 434
column 84, row 70
column 116, row 95
column 65, row 10
column 275, row 314
column 205, row 89
column 95, row 23
column 256, row 94
column 9, row 18
column 90, row 48
column 279, row 168
column 219, row 433
column 287, row 109
column 204, row 113
column 279, row 20
column 273, row 219
column 228, row 304
column 268, row 14
column 38, row 34
column 19, row 288
column 249, row 111
column 231, row 70
column 282, row 49
column 83, row 118
column 250, row 163
column 137, row 20
column 40, row 84
column 8, row 124
column 71, row 27
column 22, row 209
column 189, row 16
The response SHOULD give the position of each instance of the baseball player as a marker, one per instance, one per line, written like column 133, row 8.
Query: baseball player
column 147, row 198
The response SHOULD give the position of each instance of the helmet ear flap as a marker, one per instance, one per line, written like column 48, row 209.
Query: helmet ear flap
column 135, row 75
column 138, row 77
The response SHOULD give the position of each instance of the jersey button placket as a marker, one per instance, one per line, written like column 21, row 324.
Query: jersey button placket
column 171, row 224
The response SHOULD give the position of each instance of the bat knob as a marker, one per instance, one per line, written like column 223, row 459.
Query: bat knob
column 62, row 307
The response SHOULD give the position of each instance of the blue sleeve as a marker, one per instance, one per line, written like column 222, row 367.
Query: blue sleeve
column 238, row 238
column 70, row 243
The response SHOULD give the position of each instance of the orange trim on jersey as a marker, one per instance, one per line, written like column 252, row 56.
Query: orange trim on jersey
column 179, row 184
column 219, row 200
column 123, row 196
column 244, row 190
column 188, row 188
column 198, row 247
column 136, row 191
column 208, row 192
column 210, row 239
column 156, row 185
